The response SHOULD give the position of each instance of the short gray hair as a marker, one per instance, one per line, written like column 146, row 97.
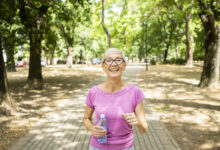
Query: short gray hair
column 112, row 50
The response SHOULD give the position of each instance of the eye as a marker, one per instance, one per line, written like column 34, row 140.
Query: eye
column 119, row 60
column 108, row 60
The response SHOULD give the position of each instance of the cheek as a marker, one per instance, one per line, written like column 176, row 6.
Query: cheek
column 105, row 69
column 123, row 68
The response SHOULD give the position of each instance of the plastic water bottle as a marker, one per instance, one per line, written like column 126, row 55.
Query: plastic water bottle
column 103, row 123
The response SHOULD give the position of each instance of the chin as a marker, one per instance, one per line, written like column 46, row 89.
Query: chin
column 115, row 75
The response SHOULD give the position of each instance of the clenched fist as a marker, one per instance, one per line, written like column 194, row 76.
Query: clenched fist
column 130, row 118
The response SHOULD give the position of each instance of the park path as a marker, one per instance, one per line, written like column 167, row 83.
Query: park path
column 62, row 129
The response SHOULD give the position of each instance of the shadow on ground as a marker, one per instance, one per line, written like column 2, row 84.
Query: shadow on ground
column 190, row 113
column 61, row 84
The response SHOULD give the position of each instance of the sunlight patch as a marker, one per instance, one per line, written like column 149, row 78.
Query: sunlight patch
column 207, row 145
column 191, row 81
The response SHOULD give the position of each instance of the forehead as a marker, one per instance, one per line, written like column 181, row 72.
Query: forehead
column 114, row 55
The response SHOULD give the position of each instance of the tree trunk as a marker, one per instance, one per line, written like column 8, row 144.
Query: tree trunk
column 69, row 61
column 122, row 15
column 176, row 45
column 146, row 55
column 52, row 57
column 189, row 49
column 176, row 50
column 81, row 57
column 5, row 96
column 69, row 42
column 9, row 50
column 168, row 45
column 103, row 24
column 166, row 53
column 35, row 79
column 210, row 73
column 3, row 76
column 33, row 26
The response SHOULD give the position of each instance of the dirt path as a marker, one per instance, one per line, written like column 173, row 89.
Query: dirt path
column 60, row 85
column 191, row 114
column 63, row 128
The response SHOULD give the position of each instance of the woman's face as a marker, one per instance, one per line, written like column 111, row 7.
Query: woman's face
column 113, row 65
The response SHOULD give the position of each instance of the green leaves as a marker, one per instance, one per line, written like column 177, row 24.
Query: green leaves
column 136, row 27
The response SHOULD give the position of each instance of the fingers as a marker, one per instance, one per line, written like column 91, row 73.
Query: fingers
column 99, row 131
column 132, row 121
column 130, row 118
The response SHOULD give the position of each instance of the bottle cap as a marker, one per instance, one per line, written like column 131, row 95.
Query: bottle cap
column 102, row 116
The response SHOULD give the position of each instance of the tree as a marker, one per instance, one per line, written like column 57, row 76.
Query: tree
column 186, row 8
column 103, row 24
column 9, row 46
column 32, row 15
column 210, row 17
column 69, row 16
column 5, row 97
column 6, row 25
column 9, row 27
column 50, row 42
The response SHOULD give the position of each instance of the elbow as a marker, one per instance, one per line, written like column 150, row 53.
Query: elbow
column 84, row 121
column 143, row 128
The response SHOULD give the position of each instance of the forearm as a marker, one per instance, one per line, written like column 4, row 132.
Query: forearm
column 88, row 124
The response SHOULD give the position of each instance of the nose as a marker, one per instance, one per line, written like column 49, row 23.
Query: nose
column 114, row 62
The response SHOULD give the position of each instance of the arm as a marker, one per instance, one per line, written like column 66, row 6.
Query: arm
column 137, row 118
column 87, row 119
column 142, row 124
column 97, row 131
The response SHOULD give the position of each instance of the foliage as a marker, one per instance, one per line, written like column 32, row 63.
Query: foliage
column 139, row 28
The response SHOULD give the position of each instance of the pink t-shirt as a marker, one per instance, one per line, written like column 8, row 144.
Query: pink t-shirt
column 119, row 132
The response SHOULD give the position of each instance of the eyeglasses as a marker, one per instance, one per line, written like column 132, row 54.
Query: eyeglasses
column 109, row 61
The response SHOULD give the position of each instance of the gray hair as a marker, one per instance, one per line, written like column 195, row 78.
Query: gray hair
column 110, row 51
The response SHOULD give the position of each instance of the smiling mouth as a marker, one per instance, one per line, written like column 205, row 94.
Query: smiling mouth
column 114, row 70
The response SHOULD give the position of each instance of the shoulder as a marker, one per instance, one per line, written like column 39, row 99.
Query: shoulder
column 92, row 92
column 134, row 88
column 137, row 93
column 93, row 89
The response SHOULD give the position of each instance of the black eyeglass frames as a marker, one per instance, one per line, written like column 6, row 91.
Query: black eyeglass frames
column 117, row 61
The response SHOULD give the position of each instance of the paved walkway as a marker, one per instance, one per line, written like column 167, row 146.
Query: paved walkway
column 63, row 128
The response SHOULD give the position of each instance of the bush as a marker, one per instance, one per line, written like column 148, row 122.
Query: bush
column 179, row 61
column 153, row 62
column 61, row 62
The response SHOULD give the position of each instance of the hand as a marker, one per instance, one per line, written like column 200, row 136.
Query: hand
column 98, row 131
column 130, row 118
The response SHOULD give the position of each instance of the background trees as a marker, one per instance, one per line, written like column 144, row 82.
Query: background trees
column 209, row 12
column 72, row 31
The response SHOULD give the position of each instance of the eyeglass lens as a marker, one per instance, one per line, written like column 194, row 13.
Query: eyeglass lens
column 118, row 61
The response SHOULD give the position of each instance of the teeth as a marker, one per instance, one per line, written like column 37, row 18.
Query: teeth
column 114, row 70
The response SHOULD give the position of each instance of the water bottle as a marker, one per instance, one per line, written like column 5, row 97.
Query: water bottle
column 103, row 123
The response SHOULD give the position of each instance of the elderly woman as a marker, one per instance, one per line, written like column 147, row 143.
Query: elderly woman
column 119, row 101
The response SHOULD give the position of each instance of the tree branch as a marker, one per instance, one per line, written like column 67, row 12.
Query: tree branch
column 103, row 23
column 203, row 5
column 214, row 8
column 178, row 6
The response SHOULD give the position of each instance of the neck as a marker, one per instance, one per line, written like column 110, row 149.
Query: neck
column 114, row 85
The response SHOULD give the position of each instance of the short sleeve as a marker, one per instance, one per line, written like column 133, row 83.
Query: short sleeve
column 139, row 96
column 89, row 99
